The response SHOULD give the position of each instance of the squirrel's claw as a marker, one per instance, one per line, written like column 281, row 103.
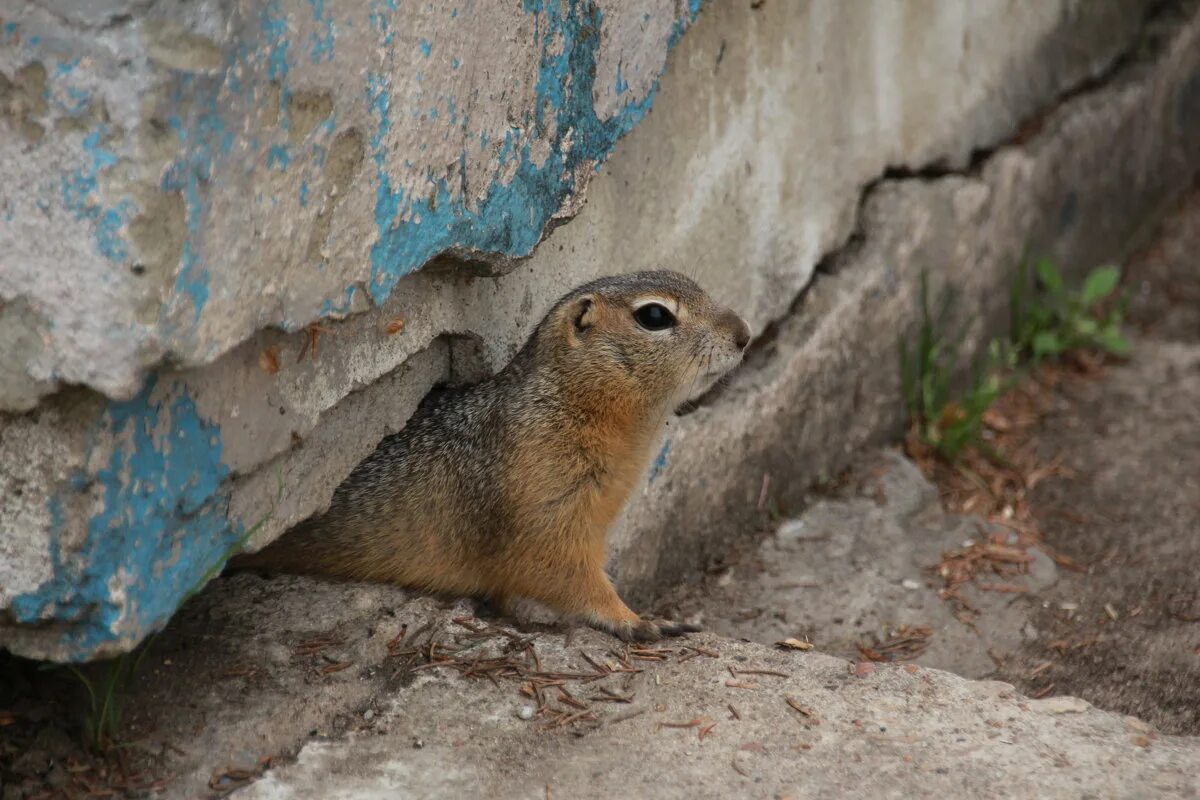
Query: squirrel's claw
column 667, row 628
column 645, row 630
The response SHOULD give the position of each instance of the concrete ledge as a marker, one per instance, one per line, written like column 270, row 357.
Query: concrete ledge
column 367, row 717
column 886, row 731
column 212, row 169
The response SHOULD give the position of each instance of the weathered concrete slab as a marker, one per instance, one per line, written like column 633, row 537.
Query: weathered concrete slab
column 891, row 732
column 853, row 570
column 210, row 453
column 212, row 169
column 329, row 683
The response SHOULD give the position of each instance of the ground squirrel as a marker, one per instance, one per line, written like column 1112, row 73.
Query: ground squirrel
column 506, row 489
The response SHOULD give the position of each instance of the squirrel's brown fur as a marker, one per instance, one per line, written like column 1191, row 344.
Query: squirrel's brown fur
column 507, row 489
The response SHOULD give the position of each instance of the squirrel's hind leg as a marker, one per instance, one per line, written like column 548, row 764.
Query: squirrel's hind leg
column 585, row 592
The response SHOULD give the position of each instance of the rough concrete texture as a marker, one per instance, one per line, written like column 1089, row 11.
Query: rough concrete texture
column 1164, row 284
column 364, row 717
column 881, row 733
column 212, row 453
column 210, row 169
column 852, row 571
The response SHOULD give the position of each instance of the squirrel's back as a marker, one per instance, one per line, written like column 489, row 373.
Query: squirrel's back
column 421, row 501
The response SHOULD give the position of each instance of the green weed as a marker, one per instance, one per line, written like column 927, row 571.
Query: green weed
column 942, row 416
column 1055, row 319
column 108, row 688
column 106, row 696
column 1048, row 319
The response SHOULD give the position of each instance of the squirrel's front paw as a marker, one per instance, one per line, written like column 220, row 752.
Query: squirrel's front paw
column 645, row 630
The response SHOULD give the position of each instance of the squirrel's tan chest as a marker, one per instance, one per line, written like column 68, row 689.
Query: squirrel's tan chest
column 575, row 487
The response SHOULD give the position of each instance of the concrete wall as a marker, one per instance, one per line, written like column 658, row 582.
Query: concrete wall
column 197, row 184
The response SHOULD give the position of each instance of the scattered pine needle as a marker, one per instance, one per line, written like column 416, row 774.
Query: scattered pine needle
column 994, row 482
column 905, row 643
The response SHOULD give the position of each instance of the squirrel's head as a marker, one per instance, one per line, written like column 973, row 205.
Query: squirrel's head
column 655, row 334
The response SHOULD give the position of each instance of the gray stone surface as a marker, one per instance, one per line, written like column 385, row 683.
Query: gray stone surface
column 212, row 169
column 882, row 733
column 240, row 449
column 853, row 570
column 319, row 679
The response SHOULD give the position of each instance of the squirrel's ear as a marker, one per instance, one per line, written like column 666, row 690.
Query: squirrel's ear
column 583, row 314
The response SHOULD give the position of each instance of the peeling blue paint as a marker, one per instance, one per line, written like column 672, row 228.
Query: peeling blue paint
column 76, row 100
column 331, row 309
column 510, row 218
column 204, row 137
column 681, row 25
column 379, row 99
column 274, row 30
column 303, row 194
column 322, row 42
column 162, row 527
column 278, row 156
column 426, row 48
column 80, row 193
column 379, row 20
column 660, row 461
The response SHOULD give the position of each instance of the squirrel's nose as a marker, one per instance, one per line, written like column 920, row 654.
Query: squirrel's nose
column 741, row 331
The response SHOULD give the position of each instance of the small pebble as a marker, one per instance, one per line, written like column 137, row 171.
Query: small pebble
column 909, row 583
column 525, row 712
column 369, row 715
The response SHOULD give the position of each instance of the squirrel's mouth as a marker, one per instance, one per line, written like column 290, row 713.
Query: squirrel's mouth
column 722, row 365
column 710, row 373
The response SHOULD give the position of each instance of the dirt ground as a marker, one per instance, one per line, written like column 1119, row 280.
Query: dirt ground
column 1126, row 635
column 254, row 673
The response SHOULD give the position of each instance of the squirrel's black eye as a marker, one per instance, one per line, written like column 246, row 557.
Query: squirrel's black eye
column 654, row 317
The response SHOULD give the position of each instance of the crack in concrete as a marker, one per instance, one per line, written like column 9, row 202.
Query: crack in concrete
column 1142, row 49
